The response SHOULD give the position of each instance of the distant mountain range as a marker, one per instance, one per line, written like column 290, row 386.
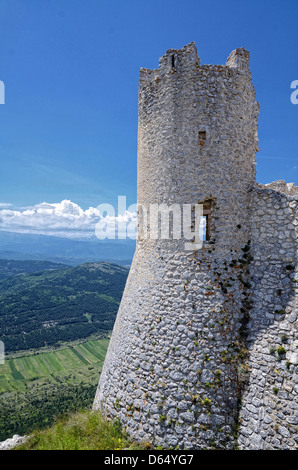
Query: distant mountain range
column 19, row 246
column 10, row 268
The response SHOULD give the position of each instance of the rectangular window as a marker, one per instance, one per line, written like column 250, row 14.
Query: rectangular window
column 205, row 225
column 202, row 138
column 203, row 229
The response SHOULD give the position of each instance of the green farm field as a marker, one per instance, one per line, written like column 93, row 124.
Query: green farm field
column 16, row 374
column 37, row 388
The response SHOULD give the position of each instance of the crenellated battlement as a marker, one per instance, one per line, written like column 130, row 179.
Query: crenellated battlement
column 183, row 60
column 239, row 58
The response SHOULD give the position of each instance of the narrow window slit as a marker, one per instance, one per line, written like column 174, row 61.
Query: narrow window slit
column 205, row 225
column 202, row 138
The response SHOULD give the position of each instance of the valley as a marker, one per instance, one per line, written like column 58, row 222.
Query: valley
column 55, row 306
column 37, row 387
column 55, row 322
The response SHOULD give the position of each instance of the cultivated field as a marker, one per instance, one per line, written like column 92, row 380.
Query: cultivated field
column 18, row 373
column 36, row 388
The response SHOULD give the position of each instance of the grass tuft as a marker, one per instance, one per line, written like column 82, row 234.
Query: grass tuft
column 84, row 430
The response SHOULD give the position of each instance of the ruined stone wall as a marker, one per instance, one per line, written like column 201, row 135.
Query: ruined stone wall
column 269, row 411
column 283, row 187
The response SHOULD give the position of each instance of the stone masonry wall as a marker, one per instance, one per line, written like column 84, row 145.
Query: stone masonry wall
column 203, row 353
column 171, row 370
column 269, row 412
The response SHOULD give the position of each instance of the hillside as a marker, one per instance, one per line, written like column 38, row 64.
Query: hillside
column 84, row 430
column 50, row 307
column 13, row 267
column 37, row 387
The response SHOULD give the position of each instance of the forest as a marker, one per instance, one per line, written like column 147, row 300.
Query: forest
column 54, row 306
column 55, row 322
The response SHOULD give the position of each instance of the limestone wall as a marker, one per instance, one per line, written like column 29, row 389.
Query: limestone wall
column 269, row 413
column 203, row 353
column 283, row 187
column 171, row 370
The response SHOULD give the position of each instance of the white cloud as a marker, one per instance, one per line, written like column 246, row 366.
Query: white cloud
column 63, row 219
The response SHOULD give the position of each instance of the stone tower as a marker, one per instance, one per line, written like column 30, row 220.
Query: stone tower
column 204, row 351
column 205, row 341
column 173, row 370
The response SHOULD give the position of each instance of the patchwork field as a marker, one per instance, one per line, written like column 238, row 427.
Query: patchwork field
column 16, row 374
column 36, row 388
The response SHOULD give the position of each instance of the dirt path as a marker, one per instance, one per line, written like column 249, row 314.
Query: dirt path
column 82, row 355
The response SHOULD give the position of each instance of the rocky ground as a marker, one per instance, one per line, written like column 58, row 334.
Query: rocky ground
column 13, row 442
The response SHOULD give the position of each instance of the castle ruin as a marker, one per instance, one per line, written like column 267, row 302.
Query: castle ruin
column 204, row 353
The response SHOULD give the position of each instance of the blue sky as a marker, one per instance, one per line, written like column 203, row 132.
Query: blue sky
column 68, row 128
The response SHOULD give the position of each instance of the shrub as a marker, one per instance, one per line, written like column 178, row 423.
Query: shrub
column 281, row 350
